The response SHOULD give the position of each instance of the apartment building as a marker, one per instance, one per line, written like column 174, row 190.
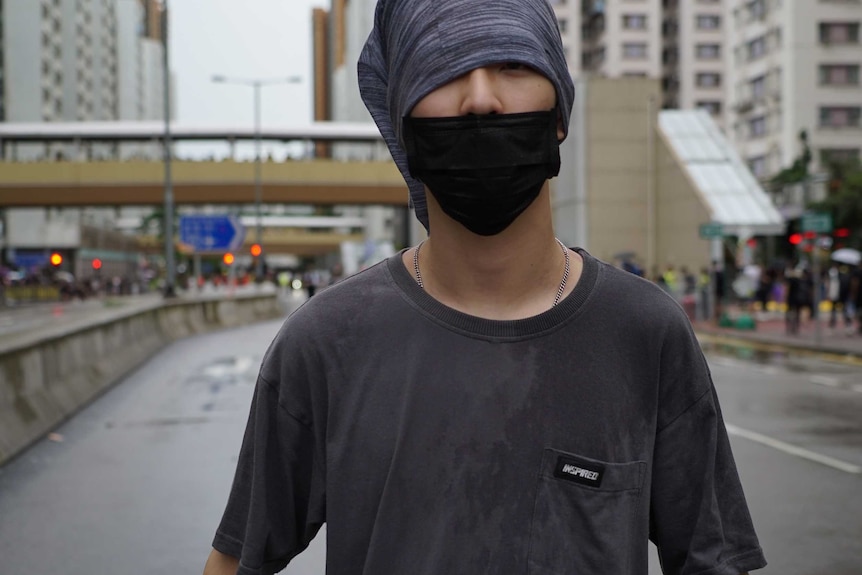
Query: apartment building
column 79, row 60
column 692, row 57
column 793, row 66
column 621, row 38
column 69, row 61
column 339, row 36
column 569, row 18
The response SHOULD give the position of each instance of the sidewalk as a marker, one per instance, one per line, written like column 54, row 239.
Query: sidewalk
column 771, row 330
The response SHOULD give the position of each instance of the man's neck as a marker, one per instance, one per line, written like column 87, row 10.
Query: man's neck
column 511, row 275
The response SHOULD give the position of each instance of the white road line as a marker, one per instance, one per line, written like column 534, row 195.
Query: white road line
column 768, row 370
column 794, row 450
column 825, row 380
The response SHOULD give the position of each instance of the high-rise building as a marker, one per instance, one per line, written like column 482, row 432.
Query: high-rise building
column 339, row 36
column 621, row 38
column 693, row 63
column 677, row 41
column 793, row 67
column 79, row 60
column 569, row 17
column 75, row 61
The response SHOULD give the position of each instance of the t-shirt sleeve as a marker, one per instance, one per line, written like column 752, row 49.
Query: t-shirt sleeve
column 699, row 519
column 276, row 503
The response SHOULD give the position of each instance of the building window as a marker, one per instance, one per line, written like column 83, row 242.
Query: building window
column 757, row 165
column 758, row 88
column 840, row 116
column 757, row 127
column 708, row 22
column 634, row 21
column 839, row 75
column 711, row 106
column 708, row 80
column 708, row 51
column 634, row 74
column 830, row 156
column 756, row 9
column 756, row 48
column 634, row 50
column 839, row 33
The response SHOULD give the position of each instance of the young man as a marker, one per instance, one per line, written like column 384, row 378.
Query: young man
column 488, row 401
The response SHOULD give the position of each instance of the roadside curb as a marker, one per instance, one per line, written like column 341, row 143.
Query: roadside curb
column 833, row 353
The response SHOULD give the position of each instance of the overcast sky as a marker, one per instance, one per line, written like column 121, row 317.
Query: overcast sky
column 243, row 39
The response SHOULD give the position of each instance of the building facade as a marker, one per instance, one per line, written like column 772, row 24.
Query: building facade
column 793, row 67
column 339, row 36
column 693, row 64
column 569, row 18
column 622, row 38
column 75, row 61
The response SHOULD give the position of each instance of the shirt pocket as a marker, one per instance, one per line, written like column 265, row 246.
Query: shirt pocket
column 584, row 515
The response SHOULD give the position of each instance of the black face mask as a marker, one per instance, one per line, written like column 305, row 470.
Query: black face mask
column 484, row 171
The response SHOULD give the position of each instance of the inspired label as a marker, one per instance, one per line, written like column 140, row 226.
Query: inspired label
column 577, row 471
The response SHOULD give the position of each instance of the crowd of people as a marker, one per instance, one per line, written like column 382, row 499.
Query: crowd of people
column 770, row 292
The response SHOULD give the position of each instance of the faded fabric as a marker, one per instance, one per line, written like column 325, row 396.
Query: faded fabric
column 433, row 442
column 417, row 46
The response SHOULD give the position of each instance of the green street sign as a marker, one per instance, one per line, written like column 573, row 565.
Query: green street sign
column 711, row 231
column 817, row 222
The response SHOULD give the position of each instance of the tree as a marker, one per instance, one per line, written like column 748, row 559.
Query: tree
column 798, row 171
column 844, row 200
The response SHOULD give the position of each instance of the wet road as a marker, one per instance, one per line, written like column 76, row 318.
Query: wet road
column 137, row 481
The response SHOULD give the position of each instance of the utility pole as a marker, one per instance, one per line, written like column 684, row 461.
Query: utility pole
column 170, row 265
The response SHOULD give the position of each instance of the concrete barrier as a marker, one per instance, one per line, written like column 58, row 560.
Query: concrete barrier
column 46, row 378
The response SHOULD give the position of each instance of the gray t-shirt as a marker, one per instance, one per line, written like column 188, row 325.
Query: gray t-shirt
column 432, row 442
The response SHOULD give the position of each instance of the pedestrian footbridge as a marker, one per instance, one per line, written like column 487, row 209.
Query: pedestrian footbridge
column 118, row 183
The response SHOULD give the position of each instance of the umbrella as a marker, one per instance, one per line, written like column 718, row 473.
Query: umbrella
column 847, row 256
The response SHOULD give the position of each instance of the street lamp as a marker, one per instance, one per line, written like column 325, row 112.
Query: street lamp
column 257, row 83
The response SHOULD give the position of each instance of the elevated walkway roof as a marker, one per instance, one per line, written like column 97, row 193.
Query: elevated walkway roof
column 732, row 194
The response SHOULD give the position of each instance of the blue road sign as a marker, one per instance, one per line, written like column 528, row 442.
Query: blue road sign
column 220, row 233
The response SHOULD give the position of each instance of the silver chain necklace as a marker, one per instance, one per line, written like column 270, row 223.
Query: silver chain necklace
column 560, row 290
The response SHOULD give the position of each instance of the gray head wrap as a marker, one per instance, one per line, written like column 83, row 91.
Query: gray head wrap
column 417, row 46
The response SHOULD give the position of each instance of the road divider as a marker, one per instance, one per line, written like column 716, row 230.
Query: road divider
column 46, row 377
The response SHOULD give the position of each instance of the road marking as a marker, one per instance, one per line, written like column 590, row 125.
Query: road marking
column 769, row 370
column 825, row 380
column 794, row 450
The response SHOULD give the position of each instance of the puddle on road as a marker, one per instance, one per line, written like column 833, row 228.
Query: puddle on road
column 229, row 366
column 225, row 371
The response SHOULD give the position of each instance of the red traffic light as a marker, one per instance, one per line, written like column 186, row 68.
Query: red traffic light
column 228, row 259
column 56, row 259
column 97, row 264
column 842, row 233
column 256, row 250
column 796, row 239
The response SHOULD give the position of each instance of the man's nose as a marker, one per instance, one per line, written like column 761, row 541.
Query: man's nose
column 480, row 94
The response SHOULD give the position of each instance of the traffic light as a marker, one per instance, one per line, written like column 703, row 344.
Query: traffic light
column 842, row 233
column 228, row 259
column 795, row 239
column 256, row 250
column 56, row 259
column 97, row 264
